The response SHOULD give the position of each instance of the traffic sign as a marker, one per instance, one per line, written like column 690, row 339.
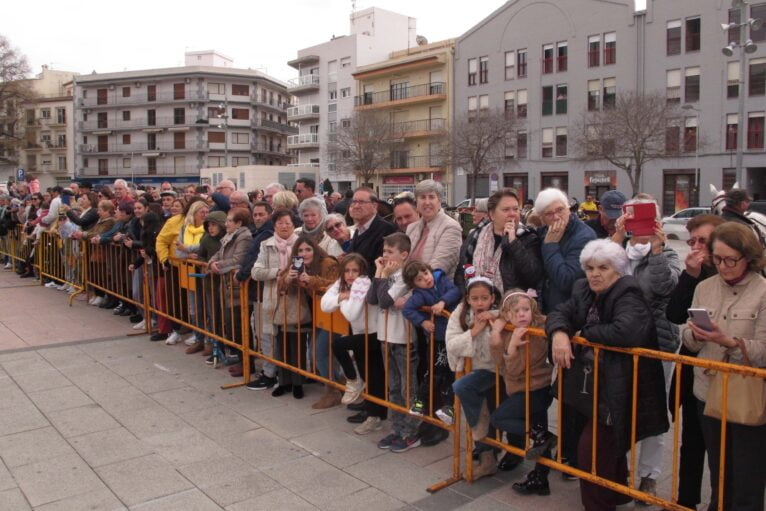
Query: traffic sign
column 20, row 175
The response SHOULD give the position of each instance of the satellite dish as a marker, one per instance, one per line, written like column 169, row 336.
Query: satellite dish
column 421, row 40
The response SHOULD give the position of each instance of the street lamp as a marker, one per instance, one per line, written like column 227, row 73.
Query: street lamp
column 223, row 116
column 745, row 46
column 697, row 113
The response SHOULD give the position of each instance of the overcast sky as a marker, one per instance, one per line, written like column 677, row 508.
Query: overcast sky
column 103, row 36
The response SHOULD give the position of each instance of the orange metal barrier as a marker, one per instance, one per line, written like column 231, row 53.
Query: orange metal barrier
column 16, row 245
column 60, row 259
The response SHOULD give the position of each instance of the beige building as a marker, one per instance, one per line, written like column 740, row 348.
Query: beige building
column 414, row 87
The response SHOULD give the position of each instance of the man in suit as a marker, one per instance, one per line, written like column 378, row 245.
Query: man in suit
column 370, row 228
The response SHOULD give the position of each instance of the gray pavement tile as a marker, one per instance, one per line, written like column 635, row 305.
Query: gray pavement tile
column 149, row 421
column 13, row 500
column 290, row 422
column 184, row 446
column 64, row 355
column 369, row 499
column 60, row 398
column 25, row 365
column 31, row 446
column 30, row 356
column 128, row 365
column 486, row 503
column 82, row 420
column 56, row 478
column 190, row 500
column 99, row 500
column 564, row 495
column 394, row 476
column 185, row 399
column 424, row 456
column 315, row 480
column 119, row 399
column 41, row 380
column 143, row 479
column 12, row 396
column 94, row 377
column 478, row 488
column 109, row 446
column 156, row 380
column 21, row 418
column 443, row 500
column 228, row 480
column 252, row 404
column 6, row 479
column 278, row 500
column 262, row 448
column 217, row 421
column 339, row 448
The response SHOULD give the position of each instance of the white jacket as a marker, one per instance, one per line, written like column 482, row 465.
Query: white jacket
column 354, row 308
column 392, row 327
column 461, row 344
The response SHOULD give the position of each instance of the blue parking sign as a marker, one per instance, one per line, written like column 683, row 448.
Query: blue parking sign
column 20, row 175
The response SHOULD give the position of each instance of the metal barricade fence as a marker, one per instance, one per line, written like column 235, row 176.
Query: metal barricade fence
column 61, row 259
column 16, row 245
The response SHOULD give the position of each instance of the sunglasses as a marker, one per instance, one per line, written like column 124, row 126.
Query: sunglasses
column 334, row 227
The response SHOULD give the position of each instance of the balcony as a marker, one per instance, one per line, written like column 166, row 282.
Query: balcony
column 305, row 165
column 419, row 128
column 138, row 170
column 304, row 140
column 435, row 91
column 302, row 83
column 274, row 126
column 402, row 163
column 278, row 106
column 115, row 98
column 271, row 149
column 142, row 123
column 295, row 113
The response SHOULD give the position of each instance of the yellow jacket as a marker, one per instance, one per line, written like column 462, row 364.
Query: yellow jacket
column 168, row 236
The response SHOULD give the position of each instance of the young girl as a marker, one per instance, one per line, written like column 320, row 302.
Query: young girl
column 349, row 293
column 468, row 335
column 509, row 351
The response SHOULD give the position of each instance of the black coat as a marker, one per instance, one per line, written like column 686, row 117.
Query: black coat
column 370, row 244
column 520, row 262
column 626, row 321
column 86, row 220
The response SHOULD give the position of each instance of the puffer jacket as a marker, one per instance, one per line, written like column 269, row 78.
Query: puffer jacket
column 626, row 321
column 229, row 257
column 461, row 344
column 266, row 269
column 657, row 275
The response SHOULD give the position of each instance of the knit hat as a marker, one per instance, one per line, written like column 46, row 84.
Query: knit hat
column 216, row 217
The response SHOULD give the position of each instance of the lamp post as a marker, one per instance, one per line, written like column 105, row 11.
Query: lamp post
column 697, row 113
column 223, row 115
column 745, row 46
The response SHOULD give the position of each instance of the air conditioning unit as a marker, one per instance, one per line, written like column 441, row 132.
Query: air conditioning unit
column 187, row 80
column 137, row 84
column 111, row 86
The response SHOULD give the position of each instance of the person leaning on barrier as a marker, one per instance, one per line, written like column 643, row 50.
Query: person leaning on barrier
column 735, row 300
column 369, row 227
column 105, row 222
column 608, row 308
column 168, row 331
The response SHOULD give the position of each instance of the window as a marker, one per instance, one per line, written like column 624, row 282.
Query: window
column 240, row 113
column 673, row 37
column 345, row 62
column 151, row 117
column 758, row 12
column 510, row 63
column 509, row 104
column 215, row 161
column 521, row 108
column 101, row 96
column 483, row 102
column 561, row 141
column 672, row 136
column 692, row 85
column 610, row 48
column 483, row 69
column 472, row 105
column 594, row 51
column 62, row 163
column 732, row 125
column 179, row 164
column 216, row 137
column 547, row 59
column 733, row 33
column 332, row 95
column 151, row 141
column 240, row 89
column 126, row 140
column 673, row 86
column 594, row 95
column 521, row 145
column 690, row 134
column 561, row 99
column 755, row 130
column 61, row 115
column 102, row 120
column 240, row 138
column 547, row 143
column 548, row 100
column 732, row 80
column 345, row 92
column 179, row 91
column 45, row 113
column 151, row 93
column 179, row 115
column 126, row 115
column 216, row 88
column 61, row 141
column 103, row 167
column 346, row 123
column 521, row 63
column 693, row 26
column 151, row 166
column 332, row 107
column 757, row 78
column 472, row 64
column 126, row 92
column 240, row 160
column 562, row 52
column 509, row 152
column 610, row 92
column 179, row 140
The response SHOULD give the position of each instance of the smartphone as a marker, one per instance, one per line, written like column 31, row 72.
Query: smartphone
column 298, row 264
column 701, row 318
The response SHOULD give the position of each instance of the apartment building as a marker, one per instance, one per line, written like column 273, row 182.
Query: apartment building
column 167, row 124
column 325, row 88
column 413, row 88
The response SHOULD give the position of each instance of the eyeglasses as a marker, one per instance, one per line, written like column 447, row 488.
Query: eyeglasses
column 334, row 227
column 556, row 212
column 357, row 202
column 693, row 241
column 729, row 262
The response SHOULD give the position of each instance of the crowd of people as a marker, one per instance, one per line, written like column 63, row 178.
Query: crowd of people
column 340, row 285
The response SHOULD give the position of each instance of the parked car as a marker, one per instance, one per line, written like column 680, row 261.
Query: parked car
column 759, row 206
column 466, row 204
column 675, row 224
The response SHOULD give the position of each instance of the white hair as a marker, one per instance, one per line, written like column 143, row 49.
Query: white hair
column 120, row 182
column 313, row 203
column 279, row 186
column 429, row 186
column 336, row 216
column 547, row 197
column 607, row 251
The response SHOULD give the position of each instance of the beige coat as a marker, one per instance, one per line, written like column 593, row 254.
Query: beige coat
column 442, row 248
column 740, row 311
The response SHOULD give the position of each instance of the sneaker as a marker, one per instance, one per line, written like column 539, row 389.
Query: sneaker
column 387, row 441
column 357, row 418
column 140, row 325
column 62, row 287
column 368, row 426
column 404, row 444
column 7, row 266
column 92, row 300
column 136, row 318
column 51, row 285
column 98, row 301
column 354, row 389
column 648, row 485
column 418, row 408
column 191, row 340
column 173, row 338
column 158, row 337
column 263, row 382
column 534, row 484
column 564, row 475
column 211, row 360
column 446, row 414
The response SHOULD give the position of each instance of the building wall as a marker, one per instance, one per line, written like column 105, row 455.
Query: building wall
column 256, row 177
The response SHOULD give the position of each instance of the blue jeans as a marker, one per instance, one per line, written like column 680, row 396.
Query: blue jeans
column 323, row 354
column 266, row 336
column 510, row 416
column 471, row 389
column 398, row 383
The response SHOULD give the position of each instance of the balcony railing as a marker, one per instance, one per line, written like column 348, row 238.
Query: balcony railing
column 116, row 98
column 303, row 111
column 413, row 162
column 401, row 93
column 142, row 122
column 276, row 126
column 422, row 125
column 269, row 148
column 277, row 105
column 303, row 82
column 304, row 139
column 308, row 165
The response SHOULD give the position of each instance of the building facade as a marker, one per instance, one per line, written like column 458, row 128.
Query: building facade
column 167, row 124
column 325, row 88
column 588, row 51
column 413, row 88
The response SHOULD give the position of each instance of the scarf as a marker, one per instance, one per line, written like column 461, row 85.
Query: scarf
column 638, row 251
column 284, row 247
column 317, row 233
column 192, row 234
column 486, row 259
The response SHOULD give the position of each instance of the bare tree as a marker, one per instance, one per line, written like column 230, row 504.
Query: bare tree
column 363, row 144
column 478, row 142
column 14, row 90
column 636, row 129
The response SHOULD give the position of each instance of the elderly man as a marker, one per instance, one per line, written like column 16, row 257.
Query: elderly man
column 166, row 187
column 737, row 203
column 370, row 228
column 271, row 190
column 167, row 197
column 405, row 211
column 436, row 237
column 304, row 188
column 609, row 211
column 332, row 200
column 120, row 189
column 239, row 200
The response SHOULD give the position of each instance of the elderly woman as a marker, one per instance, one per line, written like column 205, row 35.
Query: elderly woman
column 336, row 227
column 436, row 236
column 504, row 250
column 608, row 307
column 734, row 300
column 313, row 213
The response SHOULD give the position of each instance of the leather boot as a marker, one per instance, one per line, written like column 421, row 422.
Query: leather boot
column 487, row 465
column 329, row 399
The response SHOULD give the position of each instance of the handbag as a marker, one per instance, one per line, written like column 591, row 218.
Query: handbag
column 291, row 309
column 577, row 386
column 746, row 397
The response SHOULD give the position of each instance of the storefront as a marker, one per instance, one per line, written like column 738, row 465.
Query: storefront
column 679, row 191
column 558, row 180
column 396, row 185
column 598, row 182
column 518, row 181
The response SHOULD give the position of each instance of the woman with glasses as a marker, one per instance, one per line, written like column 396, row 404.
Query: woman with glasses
column 335, row 227
column 735, row 300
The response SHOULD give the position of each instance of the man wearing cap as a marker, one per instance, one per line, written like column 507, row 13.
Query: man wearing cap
column 167, row 197
column 609, row 211
column 737, row 203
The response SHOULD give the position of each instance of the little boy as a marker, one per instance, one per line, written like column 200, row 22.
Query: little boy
column 387, row 286
column 432, row 288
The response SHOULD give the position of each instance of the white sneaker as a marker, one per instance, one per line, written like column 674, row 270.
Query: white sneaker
column 369, row 425
column 354, row 389
column 52, row 284
column 63, row 287
column 191, row 340
column 140, row 325
column 173, row 338
column 98, row 301
column 92, row 301
column 7, row 266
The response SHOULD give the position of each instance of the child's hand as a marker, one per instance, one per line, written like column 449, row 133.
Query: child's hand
column 380, row 264
column 344, row 296
column 399, row 303
column 498, row 325
column 437, row 308
column 390, row 268
column 486, row 316
column 428, row 326
column 478, row 326
column 517, row 339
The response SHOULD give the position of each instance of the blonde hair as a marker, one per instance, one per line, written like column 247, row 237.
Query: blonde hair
column 513, row 297
column 193, row 209
column 285, row 199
